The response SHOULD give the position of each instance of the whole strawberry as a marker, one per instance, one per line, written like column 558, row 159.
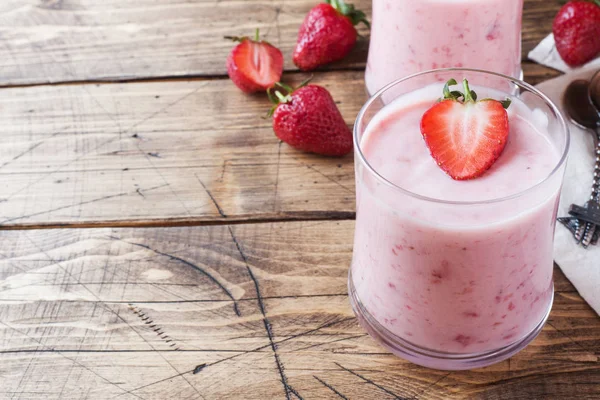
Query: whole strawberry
column 308, row 119
column 327, row 34
column 576, row 31
column 465, row 137
column 254, row 65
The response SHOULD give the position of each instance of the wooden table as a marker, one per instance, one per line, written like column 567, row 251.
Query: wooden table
column 216, row 258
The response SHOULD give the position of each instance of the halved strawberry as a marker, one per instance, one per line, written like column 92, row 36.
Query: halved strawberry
column 465, row 137
column 254, row 65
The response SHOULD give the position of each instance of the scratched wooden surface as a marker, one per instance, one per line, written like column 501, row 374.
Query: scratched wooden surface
column 148, row 152
column 248, row 311
column 74, row 40
column 165, row 152
column 156, row 152
column 252, row 305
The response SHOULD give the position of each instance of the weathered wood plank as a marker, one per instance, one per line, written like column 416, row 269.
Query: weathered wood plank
column 75, row 307
column 165, row 152
column 104, row 376
column 188, row 150
column 47, row 41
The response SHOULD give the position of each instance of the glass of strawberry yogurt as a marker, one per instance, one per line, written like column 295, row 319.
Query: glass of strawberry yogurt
column 410, row 36
column 455, row 274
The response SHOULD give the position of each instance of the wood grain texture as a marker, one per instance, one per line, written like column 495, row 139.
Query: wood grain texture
column 165, row 152
column 45, row 41
column 177, row 150
column 247, row 311
column 250, row 311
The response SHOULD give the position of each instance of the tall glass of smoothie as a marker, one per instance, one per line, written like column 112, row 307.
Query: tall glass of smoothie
column 410, row 36
column 455, row 274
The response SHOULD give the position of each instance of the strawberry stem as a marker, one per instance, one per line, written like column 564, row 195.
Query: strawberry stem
column 469, row 95
column 452, row 95
column 277, row 97
column 305, row 82
column 506, row 103
column 272, row 98
column 285, row 87
column 236, row 38
column 348, row 10
column 242, row 38
column 447, row 93
column 597, row 2
column 282, row 98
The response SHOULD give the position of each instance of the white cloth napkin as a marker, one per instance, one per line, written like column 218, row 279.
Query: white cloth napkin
column 545, row 53
column 581, row 266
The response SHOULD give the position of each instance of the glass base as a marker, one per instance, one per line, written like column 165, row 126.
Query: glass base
column 430, row 358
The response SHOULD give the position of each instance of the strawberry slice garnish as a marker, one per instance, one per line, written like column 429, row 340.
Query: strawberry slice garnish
column 465, row 136
column 254, row 65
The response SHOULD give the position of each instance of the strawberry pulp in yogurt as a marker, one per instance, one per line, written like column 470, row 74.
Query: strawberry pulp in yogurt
column 455, row 266
column 410, row 36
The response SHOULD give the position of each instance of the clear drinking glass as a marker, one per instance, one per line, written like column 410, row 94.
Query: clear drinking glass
column 464, row 284
column 410, row 36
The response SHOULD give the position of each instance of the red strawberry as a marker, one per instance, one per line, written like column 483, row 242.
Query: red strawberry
column 576, row 31
column 327, row 34
column 254, row 65
column 308, row 120
column 465, row 137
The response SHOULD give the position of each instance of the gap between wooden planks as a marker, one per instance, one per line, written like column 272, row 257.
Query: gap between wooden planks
column 250, row 311
column 49, row 41
column 93, row 52
column 165, row 153
column 195, row 150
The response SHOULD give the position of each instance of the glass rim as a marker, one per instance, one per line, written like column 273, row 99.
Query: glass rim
column 520, row 83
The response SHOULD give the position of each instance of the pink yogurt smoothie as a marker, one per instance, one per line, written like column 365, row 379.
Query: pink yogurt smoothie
column 410, row 36
column 452, row 277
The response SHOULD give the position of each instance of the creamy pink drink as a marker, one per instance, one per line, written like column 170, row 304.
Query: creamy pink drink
column 445, row 268
column 410, row 36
